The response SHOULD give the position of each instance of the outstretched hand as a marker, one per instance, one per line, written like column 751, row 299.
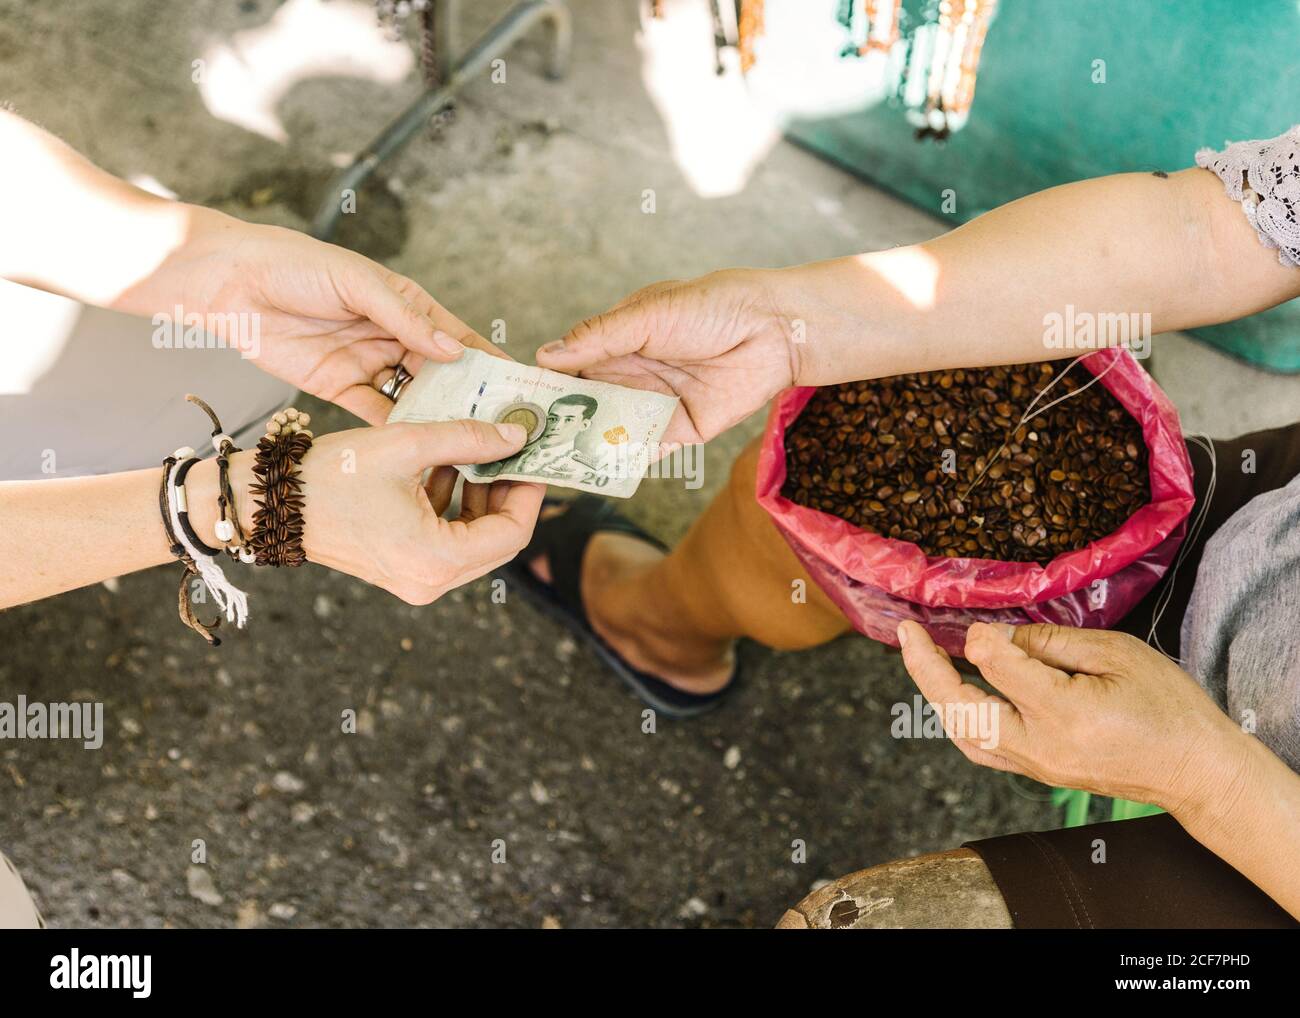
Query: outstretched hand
column 330, row 321
column 715, row 342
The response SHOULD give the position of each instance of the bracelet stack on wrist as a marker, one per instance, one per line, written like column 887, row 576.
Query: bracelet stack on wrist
column 276, row 539
column 199, row 557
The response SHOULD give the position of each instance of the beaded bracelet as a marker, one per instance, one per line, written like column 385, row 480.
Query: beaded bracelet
column 278, row 521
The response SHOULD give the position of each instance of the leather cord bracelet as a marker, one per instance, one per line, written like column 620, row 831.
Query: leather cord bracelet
column 177, row 549
column 278, row 521
column 229, row 531
column 184, row 607
column 183, row 511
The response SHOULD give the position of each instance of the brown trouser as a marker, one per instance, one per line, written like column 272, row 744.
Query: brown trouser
column 733, row 576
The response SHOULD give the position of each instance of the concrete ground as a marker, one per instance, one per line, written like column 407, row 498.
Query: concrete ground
column 477, row 721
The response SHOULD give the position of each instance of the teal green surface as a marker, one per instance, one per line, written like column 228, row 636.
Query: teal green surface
column 1179, row 76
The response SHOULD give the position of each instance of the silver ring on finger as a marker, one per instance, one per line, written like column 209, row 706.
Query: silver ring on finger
column 394, row 386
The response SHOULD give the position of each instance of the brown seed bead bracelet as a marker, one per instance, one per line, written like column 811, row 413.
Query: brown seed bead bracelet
column 278, row 523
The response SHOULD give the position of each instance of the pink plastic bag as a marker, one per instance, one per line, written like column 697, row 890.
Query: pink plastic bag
column 878, row 581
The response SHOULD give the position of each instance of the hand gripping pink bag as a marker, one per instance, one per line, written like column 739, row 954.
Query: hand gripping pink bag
column 878, row 581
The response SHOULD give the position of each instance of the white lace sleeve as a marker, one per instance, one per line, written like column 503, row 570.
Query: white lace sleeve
column 1265, row 177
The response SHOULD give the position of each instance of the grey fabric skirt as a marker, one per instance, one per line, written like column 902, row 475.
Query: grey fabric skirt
column 86, row 391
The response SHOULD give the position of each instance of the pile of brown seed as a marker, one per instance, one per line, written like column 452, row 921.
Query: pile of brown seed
column 896, row 456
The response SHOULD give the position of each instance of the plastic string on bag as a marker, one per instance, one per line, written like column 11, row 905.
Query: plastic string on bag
column 1034, row 410
column 1166, row 594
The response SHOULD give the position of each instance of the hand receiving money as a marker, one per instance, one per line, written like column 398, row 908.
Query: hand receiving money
column 582, row 434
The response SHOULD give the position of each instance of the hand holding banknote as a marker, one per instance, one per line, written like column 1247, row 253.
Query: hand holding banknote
column 374, row 522
column 583, row 434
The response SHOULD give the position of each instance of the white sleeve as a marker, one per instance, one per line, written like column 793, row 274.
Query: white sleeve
column 1265, row 177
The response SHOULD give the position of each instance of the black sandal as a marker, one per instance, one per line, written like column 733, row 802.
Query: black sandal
column 563, row 540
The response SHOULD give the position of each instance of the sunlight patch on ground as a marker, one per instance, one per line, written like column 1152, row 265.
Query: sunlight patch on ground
column 242, row 80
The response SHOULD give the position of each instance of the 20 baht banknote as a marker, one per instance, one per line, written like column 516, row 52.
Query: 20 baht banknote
column 582, row 434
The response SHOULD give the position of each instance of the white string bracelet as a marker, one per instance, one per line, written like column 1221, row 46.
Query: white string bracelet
column 229, row 598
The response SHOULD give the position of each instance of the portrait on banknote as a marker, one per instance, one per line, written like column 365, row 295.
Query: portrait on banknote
column 582, row 434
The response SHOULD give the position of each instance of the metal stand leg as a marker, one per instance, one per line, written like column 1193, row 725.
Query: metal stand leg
column 446, row 18
column 508, row 30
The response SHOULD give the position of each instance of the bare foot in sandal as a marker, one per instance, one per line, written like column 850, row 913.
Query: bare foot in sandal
column 614, row 569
